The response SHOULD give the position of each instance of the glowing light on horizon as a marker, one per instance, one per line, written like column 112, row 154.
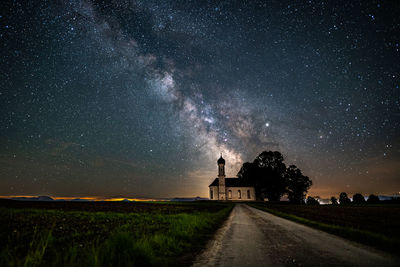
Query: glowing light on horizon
column 95, row 199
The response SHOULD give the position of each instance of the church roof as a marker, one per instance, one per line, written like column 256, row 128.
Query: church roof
column 233, row 182
column 221, row 160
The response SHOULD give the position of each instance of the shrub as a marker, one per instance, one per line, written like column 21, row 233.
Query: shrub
column 312, row 201
column 343, row 198
column 358, row 199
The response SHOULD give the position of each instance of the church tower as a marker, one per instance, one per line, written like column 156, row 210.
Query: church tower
column 221, row 178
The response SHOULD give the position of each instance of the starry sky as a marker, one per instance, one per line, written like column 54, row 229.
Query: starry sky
column 139, row 98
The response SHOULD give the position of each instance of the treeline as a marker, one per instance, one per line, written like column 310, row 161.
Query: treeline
column 357, row 199
column 272, row 180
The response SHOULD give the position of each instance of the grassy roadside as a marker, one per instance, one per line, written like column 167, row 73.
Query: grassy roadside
column 377, row 240
column 43, row 237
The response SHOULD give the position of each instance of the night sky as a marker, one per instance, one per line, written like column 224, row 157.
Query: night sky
column 138, row 98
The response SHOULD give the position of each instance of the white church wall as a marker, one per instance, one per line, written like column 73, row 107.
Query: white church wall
column 213, row 192
column 240, row 193
column 232, row 193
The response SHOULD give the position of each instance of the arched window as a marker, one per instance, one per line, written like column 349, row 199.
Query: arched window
column 229, row 193
column 211, row 193
column 239, row 194
column 248, row 194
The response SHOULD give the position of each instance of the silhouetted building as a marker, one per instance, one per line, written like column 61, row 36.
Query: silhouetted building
column 230, row 188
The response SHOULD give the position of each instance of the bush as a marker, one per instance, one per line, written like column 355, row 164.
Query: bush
column 344, row 199
column 312, row 201
column 358, row 199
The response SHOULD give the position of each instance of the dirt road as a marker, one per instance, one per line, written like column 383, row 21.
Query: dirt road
column 251, row 237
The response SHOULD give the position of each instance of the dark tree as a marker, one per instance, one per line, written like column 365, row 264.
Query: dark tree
column 343, row 198
column 267, row 174
column 297, row 184
column 358, row 199
column 250, row 173
column 312, row 201
column 372, row 199
column 334, row 201
column 271, row 179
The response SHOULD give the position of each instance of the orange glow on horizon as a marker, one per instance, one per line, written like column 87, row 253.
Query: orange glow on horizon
column 86, row 198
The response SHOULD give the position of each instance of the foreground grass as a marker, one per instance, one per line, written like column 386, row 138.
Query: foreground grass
column 43, row 237
column 357, row 228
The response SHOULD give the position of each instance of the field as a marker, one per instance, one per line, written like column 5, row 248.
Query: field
column 374, row 225
column 105, row 233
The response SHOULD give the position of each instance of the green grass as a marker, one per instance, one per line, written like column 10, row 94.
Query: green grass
column 376, row 239
column 43, row 237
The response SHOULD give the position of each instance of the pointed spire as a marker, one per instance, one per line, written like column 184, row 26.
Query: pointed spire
column 221, row 160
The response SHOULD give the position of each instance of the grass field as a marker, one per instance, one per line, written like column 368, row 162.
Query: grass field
column 374, row 225
column 105, row 234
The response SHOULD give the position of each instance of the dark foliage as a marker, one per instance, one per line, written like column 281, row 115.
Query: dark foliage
column 249, row 172
column 271, row 178
column 373, row 199
column 344, row 199
column 271, row 170
column 334, row 201
column 297, row 184
column 312, row 201
column 358, row 199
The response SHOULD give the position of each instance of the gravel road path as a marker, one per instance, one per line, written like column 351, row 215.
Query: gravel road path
column 251, row 237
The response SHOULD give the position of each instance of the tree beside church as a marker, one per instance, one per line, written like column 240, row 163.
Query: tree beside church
column 267, row 177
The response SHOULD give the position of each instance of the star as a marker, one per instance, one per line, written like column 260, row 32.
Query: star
column 96, row 85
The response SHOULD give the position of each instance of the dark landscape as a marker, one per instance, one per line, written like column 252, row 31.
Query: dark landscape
column 50, row 233
column 105, row 234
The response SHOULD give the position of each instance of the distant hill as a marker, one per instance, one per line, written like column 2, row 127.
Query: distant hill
column 39, row 198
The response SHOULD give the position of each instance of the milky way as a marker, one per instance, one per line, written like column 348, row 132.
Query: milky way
column 139, row 98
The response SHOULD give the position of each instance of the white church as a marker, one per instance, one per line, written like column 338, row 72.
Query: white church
column 231, row 189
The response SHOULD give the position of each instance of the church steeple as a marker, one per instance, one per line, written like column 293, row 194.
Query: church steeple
column 221, row 178
column 221, row 167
